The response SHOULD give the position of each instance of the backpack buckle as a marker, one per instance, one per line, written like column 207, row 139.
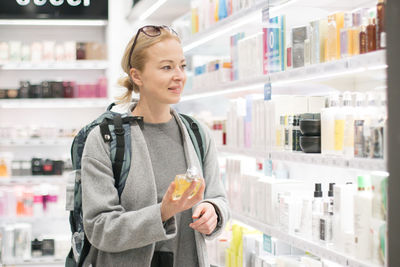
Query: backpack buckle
column 119, row 131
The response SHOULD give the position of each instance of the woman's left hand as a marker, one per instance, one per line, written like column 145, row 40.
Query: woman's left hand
column 207, row 218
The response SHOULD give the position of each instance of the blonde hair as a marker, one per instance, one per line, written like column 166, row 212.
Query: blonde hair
column 138, row 59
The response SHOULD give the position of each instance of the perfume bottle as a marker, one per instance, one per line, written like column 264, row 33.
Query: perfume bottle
column 183, row 181
column 380, row 25
column 331, row 46
column 363, row 39
column 371, row 35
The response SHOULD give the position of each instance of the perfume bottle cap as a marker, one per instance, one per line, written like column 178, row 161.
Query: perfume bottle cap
column 192, row 173
column 318, row 191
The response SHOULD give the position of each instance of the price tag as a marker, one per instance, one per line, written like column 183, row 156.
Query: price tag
column 267, row 91
column 265, row 15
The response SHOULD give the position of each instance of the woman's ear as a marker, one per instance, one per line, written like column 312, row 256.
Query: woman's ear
column 136, row 76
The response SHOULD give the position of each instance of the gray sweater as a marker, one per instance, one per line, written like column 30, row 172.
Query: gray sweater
column 124, row 233
column 164, row 142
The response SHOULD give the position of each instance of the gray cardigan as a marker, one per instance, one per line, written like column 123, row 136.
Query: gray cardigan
column 124, row 233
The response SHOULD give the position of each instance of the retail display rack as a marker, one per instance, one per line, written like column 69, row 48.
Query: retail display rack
column 365, row 66
column 310, row 158
column 317, row 249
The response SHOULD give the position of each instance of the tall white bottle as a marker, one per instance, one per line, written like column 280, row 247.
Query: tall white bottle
column 328, row 125
column 362, row 219
column 317, row 212
column 348, row 135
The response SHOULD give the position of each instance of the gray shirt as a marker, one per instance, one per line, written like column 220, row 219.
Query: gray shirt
column 165, row 145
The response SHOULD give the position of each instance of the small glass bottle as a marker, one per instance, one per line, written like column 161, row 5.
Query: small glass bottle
column 363, row 39
column 288, row 133
column 380, row 25
column 371, row 35
column 183, row 181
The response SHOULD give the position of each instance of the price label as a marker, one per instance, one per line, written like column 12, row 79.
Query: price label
column 267, row 91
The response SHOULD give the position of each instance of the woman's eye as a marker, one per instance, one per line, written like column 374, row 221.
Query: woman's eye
column 183, row 66
column 166, row 67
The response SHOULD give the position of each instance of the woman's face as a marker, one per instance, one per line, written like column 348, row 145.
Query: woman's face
column 163, row 77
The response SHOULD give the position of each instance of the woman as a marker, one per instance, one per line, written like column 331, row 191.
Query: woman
column 146, row 226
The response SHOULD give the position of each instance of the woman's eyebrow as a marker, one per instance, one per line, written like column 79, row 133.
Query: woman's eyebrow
column 170, row 61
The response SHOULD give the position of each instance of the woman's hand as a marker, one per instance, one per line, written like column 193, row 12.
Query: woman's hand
column 170, row 207
column 207, row 218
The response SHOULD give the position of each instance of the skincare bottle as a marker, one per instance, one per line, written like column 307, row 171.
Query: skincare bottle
column 317, row 205
column 371, row 35
column 348, row 136
column 296, row 133
column 363, row 38
column 331, row 46
column 380, row 25
column 330, row 197
column 325, row 224
column 362, row 218
column 346, row 47
column 328, row 125
column 340, row 118
column 183, row 182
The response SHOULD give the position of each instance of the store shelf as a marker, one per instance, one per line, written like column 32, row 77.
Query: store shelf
column 36, row 262
column 162, row 10
column 72, row 65
column 52, row 22
column 316, row 159
column 61, row 141
column 55, row 103
column 317, row 72
column 33, row 179
column 222, row 27
column 315, row 248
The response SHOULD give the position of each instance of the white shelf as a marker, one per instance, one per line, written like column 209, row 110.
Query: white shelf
column 72, row 65
column 36, row 262
column 61, row 141
column 52, row 22
column 222, row 27
column 324, row 71
column 310, row 158
column 55, row 103
column 315, row 248
column 33, row 179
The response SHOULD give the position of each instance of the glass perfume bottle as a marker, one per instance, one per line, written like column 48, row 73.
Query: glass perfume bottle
column 183, row 181
column 380, row 25
column 371, row 35
column 363, row 38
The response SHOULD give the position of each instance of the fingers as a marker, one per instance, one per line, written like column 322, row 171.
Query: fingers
column 208, row 219
column 170, row 191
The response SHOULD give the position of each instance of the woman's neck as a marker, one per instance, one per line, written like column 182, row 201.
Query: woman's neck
column 152, row 113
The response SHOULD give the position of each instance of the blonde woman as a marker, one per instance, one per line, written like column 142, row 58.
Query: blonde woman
column 146, row 226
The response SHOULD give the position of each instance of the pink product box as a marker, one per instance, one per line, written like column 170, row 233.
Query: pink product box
column 101, row 90
column 87, row 90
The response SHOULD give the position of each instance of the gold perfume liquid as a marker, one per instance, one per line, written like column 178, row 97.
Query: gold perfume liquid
column 182, row 183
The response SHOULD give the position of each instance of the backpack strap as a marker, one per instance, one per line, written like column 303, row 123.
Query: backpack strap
column 120, row 148
column 196, row 135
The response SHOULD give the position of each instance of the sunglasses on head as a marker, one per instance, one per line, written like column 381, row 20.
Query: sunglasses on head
column 150, row 31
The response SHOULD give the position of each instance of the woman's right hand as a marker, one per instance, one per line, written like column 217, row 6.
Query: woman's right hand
column 170, row 207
